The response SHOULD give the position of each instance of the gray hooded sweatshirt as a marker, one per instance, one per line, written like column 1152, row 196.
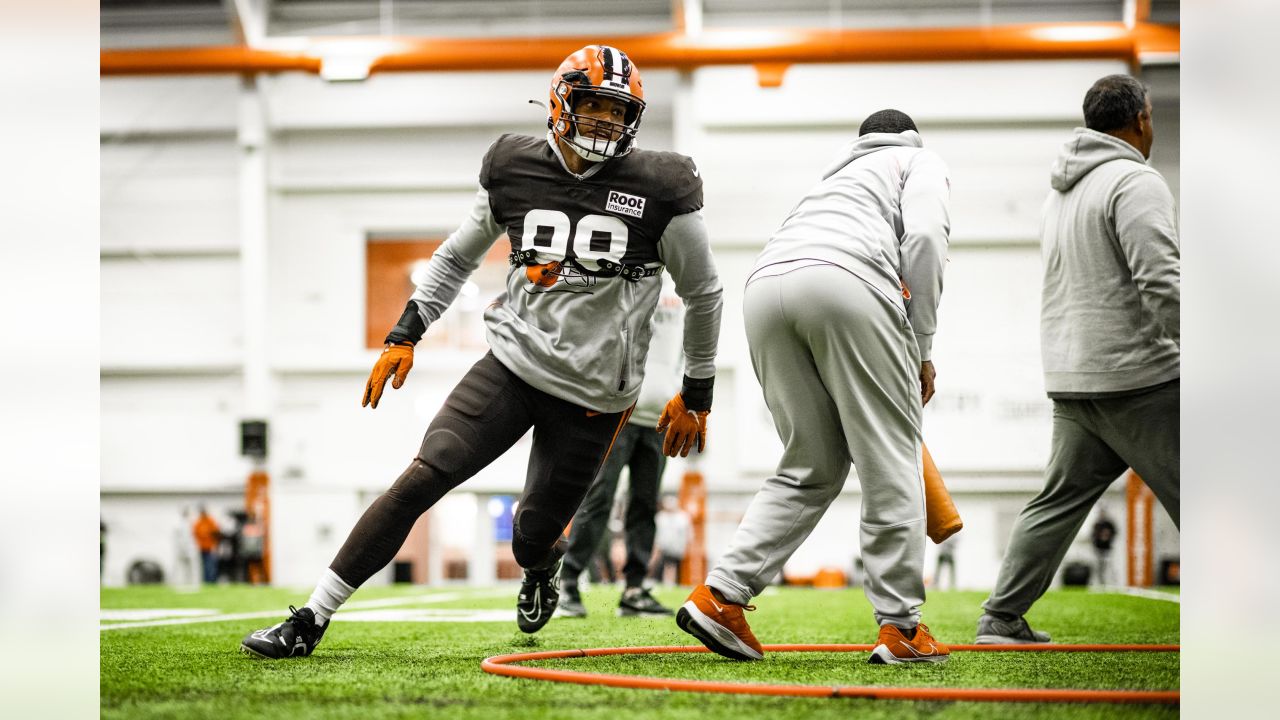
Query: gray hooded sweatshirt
column 1109, row 313
column 880, row 213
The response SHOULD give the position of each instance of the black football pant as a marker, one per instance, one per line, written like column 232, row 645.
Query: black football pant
column 482, row 418
column 639, row 448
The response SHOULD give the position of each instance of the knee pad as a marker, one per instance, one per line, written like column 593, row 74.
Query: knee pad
column 534, row 538
column 446, row 450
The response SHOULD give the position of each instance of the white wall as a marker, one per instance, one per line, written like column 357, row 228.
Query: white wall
column 163, row 432
column 170, row 311
column 401, row 152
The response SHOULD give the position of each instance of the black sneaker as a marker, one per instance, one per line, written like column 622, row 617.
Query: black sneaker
column 636, row 602
column 571, row 603
column 994, row 631
column 297, row 636
column 539, row 595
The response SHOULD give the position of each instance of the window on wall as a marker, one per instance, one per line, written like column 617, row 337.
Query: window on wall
column 393, row 265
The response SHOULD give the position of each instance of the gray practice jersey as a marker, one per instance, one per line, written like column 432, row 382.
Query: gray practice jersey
column 586, row 252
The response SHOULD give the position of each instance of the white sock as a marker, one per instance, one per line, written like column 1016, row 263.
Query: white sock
column 329, row 595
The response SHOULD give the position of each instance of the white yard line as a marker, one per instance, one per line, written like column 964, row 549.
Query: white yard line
column 190, row 621
column 1139, row 592
column 142, row 614
column 426, row 615
column 355, row 605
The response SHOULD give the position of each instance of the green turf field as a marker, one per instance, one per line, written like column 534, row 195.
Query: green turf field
column 390, row 667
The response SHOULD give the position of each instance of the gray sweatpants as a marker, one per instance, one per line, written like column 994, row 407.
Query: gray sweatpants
column 1094, row 441
column 840, row 371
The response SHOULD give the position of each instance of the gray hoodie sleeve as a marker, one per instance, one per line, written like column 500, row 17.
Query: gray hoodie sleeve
column 686, row 251
column 456, row 258
column 1146, row 228
column 926, row 225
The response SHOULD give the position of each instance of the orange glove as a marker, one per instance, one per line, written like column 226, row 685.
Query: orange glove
column 394, row 359
column 683, row 427
column 943, row 518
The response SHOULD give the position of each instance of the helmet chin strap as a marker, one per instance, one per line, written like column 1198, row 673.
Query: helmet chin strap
column 599, row 151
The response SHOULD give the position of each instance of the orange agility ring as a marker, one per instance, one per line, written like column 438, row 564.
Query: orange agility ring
column 506, row 665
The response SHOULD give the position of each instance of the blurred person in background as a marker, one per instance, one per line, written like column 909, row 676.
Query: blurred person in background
column 673, row 531
column 252, row 547
column 593, row 222
column 207, row 537
column 187, row 560
column 639, row 450
column 231, row 550
column 1109, row 340
column 1103, row 537
column 600, row 569
column 840, row 309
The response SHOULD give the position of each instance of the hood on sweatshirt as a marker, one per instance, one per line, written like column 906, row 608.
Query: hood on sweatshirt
column 869, row 143
column 1086, row 150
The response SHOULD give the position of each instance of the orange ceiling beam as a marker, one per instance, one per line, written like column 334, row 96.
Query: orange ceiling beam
column 203, row 61
column 1044, row 41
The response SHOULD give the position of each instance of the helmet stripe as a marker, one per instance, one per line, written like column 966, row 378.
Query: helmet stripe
column 607, row 53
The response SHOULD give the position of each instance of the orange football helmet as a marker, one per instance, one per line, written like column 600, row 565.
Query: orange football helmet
column 596, row 70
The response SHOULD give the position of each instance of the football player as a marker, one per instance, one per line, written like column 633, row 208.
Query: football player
column 593, row 221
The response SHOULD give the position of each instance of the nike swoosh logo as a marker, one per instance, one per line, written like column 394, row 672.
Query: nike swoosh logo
column 933, row 650
column 537, row 603
column 716, row 606
column 592, row 413
column 695, row 172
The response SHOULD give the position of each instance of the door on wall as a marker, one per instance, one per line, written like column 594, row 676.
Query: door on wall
column 394, row 263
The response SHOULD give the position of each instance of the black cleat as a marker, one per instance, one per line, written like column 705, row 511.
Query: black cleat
column 637, row 602
column 571, row 604
column 539, row 596
column 297, row 636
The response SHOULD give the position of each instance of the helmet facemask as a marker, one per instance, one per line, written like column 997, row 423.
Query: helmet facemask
column 595, row 139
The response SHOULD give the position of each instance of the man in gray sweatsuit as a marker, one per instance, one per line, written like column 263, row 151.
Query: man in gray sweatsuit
column 843, row 357
column 1109, row 336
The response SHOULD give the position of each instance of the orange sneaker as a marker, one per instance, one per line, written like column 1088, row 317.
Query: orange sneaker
column 893, row 647
column 719, row 625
